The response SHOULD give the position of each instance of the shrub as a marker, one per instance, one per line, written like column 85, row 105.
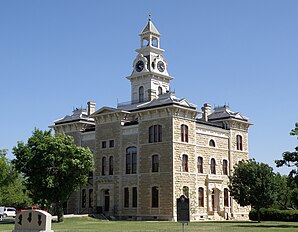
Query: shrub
column 274, row 215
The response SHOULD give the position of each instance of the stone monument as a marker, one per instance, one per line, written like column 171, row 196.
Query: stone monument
column 33, row 221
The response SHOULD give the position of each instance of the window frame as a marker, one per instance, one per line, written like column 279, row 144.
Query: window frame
column 141, row 94
column 213, row 166
column 184, row 133
column 225, row 167
column 201, row 197
column 200, row 165
column 226, row 197
column 103, row 165
column 155, row 133
column 155, row 163
column 134, row 197
column 131, row 160
column 111, row 165
column 211, row 143
column 185, row 163
column 155, row 197
column 126, row 197
column 239, row 143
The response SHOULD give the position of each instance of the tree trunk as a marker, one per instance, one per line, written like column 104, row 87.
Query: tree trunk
column 59, row 212
column 258, row 215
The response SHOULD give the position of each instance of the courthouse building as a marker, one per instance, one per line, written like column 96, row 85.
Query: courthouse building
column 151, row 150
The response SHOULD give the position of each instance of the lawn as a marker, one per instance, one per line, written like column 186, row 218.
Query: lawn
column 90, row 224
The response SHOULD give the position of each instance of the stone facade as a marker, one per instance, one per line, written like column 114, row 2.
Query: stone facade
column 150, row 151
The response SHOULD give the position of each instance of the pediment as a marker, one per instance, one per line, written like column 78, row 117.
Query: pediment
column 104, row 110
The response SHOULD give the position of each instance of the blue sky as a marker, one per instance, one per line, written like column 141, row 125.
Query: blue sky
column 56, row 55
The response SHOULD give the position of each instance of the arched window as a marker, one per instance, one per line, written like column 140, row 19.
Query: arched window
column 154, row 197
column 200, row 164
column 201, row 197
column 134, row 197
column 213, row 166
column 155, row 163
column 141, row 94
column 155, row 134
column 159, row 90
column 103, row 166
column 184, row 163
column 211, row 143
column 186, row 191
column 83, row 198
column 225, row 167
column 184, row 133
column 239, row 142
column 226, row 197
column 90, row 198
column 126, row 197
column 111, row 165
column 131, row 160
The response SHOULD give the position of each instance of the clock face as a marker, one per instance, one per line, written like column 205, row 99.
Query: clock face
column 161, row 66
column 139, row 66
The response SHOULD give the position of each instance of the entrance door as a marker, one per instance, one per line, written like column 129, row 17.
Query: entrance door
column 107, row 201
column 215, row 199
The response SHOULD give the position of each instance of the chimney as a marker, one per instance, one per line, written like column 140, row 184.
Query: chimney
column 206, row 111
column 91, row 107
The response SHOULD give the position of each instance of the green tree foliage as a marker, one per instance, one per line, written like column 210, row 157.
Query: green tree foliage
column 12, row 189
column 290, row 159
column 283, row 198
column 54, row 167
column 252, row 183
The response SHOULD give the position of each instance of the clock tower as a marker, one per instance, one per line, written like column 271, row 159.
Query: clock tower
column 149, row 77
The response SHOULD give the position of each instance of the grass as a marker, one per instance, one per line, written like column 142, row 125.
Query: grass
column 90, row 224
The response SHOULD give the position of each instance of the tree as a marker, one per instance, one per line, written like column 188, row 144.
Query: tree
column 252, row 183
column 290, row 159
column 54, row 167
column 283, row 198
column 12, row 189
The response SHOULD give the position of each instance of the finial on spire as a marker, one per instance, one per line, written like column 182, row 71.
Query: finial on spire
column 149, row 16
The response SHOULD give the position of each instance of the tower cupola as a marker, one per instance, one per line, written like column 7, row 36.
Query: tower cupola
column 149, row 77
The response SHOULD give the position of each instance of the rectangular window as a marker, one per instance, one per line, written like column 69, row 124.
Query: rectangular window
column 84, row 198
column 225, row 167
column 128, row 164
column 112, row 143
column 155, row 163
column 111, row 165
column 155, row 134
column 201, row 197
column 226, row 197
column 131, row 160
column 126, row 197
column 184, row 163
column 200, row 164
column 154, row 197
column 90, row 198
column 134, row 197
column 104, row 144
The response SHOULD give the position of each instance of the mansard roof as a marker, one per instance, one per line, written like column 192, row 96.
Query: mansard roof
column 162, row 100
column 79, row 114
column 106, row 110
column 224, row 112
